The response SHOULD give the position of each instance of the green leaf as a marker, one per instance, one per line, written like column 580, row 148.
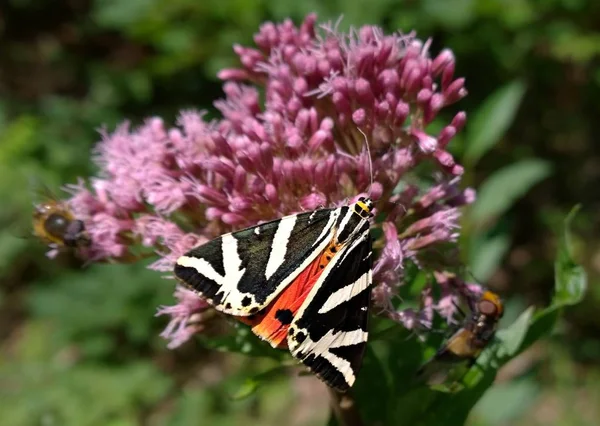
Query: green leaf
column 492, row 120
column 501, row 190
column 119, row 14
column 51, row 386
column 543, row 323
column 570, row 278
column 451, row 13
column 486, row 255
column 512, row 337
column 253, row 383
column 569, row 286
column 124, row 298
column 18, row 139
column 243, row 341
column 372, row 388
column 505, row 401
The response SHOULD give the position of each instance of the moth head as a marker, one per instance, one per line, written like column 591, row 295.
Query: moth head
column 365, row 207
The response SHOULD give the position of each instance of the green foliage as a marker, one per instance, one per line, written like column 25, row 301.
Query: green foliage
column 387, row 391
column 115, row 298
column 502, row 189
column 492, row 120
column 571, row 279
column 505, row 402
column 80, row 346
column 47, row 383
column 570, row 287
column 487, row 254
column 243, row 341
column 497, row 195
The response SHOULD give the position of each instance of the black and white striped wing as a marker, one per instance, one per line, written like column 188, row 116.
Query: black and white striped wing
column 242, row 272
column 329, row 332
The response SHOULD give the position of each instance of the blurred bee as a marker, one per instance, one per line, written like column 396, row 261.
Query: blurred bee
column 54, row 223
column 465, row 345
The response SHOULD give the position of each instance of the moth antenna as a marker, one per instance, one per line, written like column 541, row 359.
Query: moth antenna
column 369, row 154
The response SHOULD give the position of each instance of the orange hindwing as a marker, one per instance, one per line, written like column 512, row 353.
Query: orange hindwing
column 272, row 323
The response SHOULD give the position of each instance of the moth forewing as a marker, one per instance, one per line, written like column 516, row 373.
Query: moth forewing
column 240, row 273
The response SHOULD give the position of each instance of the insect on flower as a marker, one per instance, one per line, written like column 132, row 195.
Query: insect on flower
column 466, row 344
column 55, row 224
column 288, row 139
column 302, row 282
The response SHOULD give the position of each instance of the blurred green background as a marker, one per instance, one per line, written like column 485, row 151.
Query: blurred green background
column 81, row 346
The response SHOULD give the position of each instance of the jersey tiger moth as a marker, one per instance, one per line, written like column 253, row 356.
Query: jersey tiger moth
column 302, row 283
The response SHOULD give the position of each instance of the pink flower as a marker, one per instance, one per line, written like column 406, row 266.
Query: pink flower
column 186, row 317
column 417, row 320
column 343, row 114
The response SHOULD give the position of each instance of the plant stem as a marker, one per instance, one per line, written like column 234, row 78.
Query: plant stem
column 345, row 409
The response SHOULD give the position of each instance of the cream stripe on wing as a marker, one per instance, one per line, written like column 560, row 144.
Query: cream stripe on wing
column 342, row 366
column 334, row 340
column 232, row 264
column 348, row 338
column 330, row 222
column 201, row 266
column 346, row 293
column 345, row 220
column 279, row 247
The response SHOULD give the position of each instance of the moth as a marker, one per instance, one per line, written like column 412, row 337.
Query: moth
column 303, row 283
column 467, row 343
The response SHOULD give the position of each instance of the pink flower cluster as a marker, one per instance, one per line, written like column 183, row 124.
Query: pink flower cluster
column 312, row 118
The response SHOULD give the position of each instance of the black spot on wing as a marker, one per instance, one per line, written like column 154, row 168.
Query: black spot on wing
column 284, row 316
